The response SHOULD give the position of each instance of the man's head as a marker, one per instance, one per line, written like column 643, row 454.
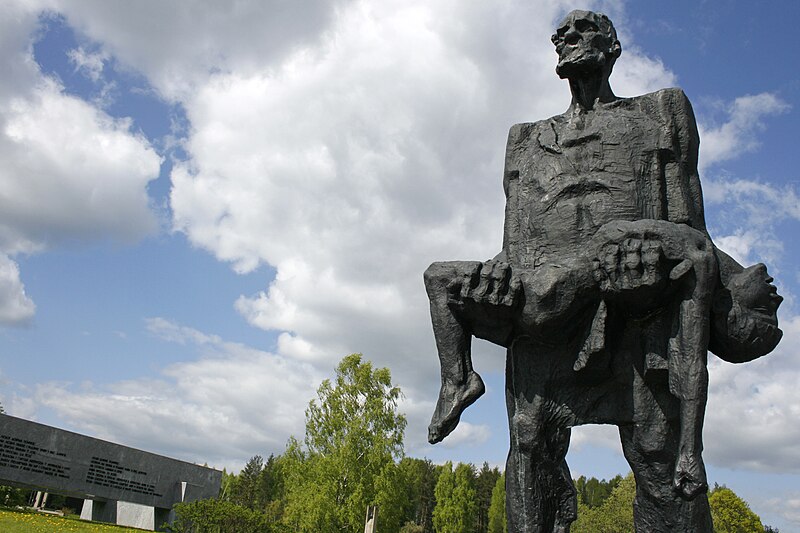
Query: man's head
column 586, row 44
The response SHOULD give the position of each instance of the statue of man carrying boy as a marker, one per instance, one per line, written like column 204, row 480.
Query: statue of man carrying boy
column 608, row 294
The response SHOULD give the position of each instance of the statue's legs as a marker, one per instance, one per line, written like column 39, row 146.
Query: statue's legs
column 651, row 447
column 540, row 495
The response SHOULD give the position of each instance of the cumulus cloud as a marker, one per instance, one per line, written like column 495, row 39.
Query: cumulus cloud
column 603, row 435
column 747, row 210
column 762, row 203
column 89, row 63
column 788, row 508
column 747, row 215
column 751, row 419
column 70, row 172
column 187, row 40
column 228, row 404
column 739, row 133
column 15, row 306
column 467, row 434
column 352, row 164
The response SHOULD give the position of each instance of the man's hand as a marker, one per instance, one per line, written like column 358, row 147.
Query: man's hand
column 627, row 265
column 491, row 283
column 636, row 261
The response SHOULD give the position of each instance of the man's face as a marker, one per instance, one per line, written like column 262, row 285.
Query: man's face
column 581, row 45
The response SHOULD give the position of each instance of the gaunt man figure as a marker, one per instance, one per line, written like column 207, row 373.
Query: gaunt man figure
column 608, row 294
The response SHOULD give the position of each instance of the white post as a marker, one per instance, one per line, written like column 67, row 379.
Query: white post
column 372, row 516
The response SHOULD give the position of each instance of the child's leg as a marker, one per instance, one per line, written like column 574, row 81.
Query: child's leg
column 461, row 385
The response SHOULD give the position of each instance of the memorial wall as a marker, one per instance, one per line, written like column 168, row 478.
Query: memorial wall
column 43, row 457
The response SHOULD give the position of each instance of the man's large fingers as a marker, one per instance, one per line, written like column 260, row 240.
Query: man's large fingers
column 469, row 281
column 500, row 279
column 631, row 260
column 485, row 281
column 610, row 259
column 651, row 257
column 514, row 290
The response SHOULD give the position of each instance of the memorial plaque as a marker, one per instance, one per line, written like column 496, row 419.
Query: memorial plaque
column 43, row 457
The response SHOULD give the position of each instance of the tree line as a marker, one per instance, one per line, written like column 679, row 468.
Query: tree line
column 352, row 457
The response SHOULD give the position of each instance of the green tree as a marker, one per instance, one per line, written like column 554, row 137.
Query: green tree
column 353, row 437
column 594, row 492
column 271, row 484
column 245, row 490
column 731, row 514
column 226, row 485
column 12, row 496
column 412, row 527
column 615, row 515
column 484, row 486
column 419, row 478
column 456, row 506
column 497, row 509
column 219, row 516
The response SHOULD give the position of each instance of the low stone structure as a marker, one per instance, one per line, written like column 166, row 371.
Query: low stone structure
column 121, row 485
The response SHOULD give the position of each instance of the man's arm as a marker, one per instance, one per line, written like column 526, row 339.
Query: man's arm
column 684, row 196
column 511, row 226
column 744, row 323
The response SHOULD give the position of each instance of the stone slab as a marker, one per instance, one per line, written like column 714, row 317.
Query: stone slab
column 43, row 457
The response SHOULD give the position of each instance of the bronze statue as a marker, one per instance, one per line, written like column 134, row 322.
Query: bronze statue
column 608, row 294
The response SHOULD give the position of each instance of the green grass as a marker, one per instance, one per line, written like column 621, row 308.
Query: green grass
column 12, row 521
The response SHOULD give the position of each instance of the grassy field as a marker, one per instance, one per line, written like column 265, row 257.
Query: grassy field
column 24, row 522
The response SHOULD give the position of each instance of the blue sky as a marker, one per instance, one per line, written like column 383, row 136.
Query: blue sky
column 203, row 209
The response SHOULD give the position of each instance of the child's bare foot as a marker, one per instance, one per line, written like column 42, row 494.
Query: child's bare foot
column 453, row 399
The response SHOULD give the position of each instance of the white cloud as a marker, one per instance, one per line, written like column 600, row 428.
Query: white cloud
column 635, row 73
column 747, row 213
column 229, row 404
column 70, row 172
column 603, row 435
column 739, row 133
column 21, row 405
column 753, row 408
column 352, row 164
column 187, row 40
column 224, row 405
column 88, row 63
column 467, row 434
column 15, row 306
column 91, row 65
column 787, row 507
column 751, row 246
column 763, row 203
